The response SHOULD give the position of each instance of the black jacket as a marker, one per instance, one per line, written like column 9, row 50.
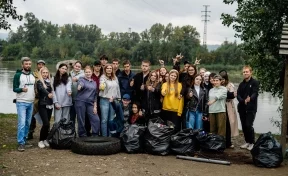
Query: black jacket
column 198, row 103
column 117, row 72
column 246, row 89
column 138, row 81
column 208, row 86
column 124, row 83
column 183, row 76
column 176, row 66
column 186, row 84
column 43, row 93
column 151, row 101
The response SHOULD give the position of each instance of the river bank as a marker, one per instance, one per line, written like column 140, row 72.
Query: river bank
column 35, row 161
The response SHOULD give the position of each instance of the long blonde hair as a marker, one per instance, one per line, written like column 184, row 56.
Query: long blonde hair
column 148, row 82
column 175, row 83
column 41, row 78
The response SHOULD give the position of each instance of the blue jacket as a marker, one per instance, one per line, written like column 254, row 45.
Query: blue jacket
column 124, row 83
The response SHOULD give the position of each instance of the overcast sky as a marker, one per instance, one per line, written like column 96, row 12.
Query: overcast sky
column 119, row 15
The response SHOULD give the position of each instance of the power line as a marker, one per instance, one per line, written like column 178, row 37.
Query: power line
column 149, row 15
column 153, row 7
column 206, row 16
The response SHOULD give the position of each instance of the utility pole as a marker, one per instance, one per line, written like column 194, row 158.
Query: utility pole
column 206, row 16
column 284, row 52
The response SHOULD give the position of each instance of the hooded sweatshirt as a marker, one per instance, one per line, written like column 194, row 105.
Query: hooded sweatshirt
column 219, row 94
column 21, row 80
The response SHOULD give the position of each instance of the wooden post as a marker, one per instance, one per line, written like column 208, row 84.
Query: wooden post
column 285, row 109
column 284, row 51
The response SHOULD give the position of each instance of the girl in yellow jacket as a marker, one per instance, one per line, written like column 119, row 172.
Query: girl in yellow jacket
column 173, row 102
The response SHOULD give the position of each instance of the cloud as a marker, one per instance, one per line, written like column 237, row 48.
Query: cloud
column 119, row 15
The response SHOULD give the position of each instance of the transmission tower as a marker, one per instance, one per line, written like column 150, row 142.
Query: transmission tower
column 206, row 16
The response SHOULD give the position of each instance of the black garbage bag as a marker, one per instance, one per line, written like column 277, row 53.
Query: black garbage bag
column 211, row 142
column 157, row 137
column 267, row 151
column 62, row 135
column 184, row 142
column 132, row 138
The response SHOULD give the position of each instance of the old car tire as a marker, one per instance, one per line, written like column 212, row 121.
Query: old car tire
column 96, row 145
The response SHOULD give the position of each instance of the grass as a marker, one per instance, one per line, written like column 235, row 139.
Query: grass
column 8, row 126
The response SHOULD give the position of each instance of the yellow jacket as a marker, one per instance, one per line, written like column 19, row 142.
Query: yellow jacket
column 171, row 102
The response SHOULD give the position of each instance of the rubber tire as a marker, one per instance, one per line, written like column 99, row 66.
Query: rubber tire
column 96, row 146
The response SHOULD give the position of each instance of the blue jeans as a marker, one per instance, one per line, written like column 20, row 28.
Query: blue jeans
column 107, row 115
column 118, row 122
column 24, row 111
column 194, row 120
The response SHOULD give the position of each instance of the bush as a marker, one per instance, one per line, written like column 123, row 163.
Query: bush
column 86, row 60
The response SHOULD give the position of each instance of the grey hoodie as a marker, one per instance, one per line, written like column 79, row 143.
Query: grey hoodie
column 60, row 94
column 219, row 94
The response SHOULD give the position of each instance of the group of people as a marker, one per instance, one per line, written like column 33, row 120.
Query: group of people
column 105, row 99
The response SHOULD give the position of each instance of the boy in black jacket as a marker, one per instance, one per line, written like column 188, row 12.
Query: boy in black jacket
column 139, row 81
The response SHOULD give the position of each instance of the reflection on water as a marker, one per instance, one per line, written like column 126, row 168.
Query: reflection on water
column 267, row 104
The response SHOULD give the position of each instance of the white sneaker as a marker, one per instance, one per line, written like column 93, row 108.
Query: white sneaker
column 250, row 147
column 41, row 144
column 46, row 143
column 244, row 146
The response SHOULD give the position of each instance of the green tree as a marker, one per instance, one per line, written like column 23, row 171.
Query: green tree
column 229, row 53
column 258, row 23
column 11, row 51
column 7, row 9
column 33, row 31
column 18, row 36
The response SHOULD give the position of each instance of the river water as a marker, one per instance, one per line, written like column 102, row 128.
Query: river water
column 267, row 104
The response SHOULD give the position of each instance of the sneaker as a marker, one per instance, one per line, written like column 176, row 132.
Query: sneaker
column 21, row 148
column 46, row 143
column 41, row 144
column 231, row 146
column 250, row 147
column 244, row 146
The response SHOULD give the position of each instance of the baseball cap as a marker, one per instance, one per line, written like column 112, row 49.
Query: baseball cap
column 126, row 97
column 186, row 62
column 97, row 62
column 41, row 61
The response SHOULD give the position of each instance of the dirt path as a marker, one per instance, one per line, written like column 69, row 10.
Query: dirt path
column 35, row 161
column 52, row 162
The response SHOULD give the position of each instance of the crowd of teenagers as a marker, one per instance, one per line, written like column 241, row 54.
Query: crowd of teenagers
column 101, row 99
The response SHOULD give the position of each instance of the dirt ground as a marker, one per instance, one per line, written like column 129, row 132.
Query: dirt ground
column 35, row 161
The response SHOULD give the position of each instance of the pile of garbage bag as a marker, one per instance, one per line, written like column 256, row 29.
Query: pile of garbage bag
column 62, row 135
column 267, row 151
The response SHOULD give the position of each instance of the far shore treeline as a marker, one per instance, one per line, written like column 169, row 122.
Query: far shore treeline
column 40, row 39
